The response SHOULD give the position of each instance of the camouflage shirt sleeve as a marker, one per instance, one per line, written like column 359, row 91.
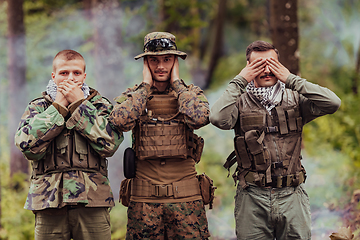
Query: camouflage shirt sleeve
column 129, row 107
column 90, row 119
column 193, row 104
column 40, row 123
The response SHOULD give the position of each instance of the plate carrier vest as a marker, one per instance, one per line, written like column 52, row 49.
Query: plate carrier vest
column 267, row 147
column 162, row 133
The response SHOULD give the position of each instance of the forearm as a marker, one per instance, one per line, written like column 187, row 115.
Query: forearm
column 316, row 101
column 224, row 112
column 93, row 123
column 37, row 129
column 192, row 104
column 129, row 107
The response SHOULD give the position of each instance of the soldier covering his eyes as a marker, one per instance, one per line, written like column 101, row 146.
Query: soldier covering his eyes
column 267, row 107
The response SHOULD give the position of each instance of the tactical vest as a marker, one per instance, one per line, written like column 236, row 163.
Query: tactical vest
column 162, row 133
column 267, row 147
column 70, row 151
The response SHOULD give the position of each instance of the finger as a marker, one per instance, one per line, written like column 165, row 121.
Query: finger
column 256, row 62
column 274, row 62
column 259, row 65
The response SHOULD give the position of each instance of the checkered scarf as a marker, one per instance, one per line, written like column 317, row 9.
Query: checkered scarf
column 51, row 89
column 269, row 97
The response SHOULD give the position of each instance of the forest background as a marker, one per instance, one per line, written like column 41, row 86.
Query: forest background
column 320, row 41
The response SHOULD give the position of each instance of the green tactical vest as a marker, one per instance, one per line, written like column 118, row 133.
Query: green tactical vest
column 267, row 147
column 70, row 151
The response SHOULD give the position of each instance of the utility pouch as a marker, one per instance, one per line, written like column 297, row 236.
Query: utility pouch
column 207, row 189
column 199, row 148
column 125, row 192
column 241, row 152
column 254, row 142
column 129, row 163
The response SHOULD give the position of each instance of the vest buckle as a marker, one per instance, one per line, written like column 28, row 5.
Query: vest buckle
column 161, row 191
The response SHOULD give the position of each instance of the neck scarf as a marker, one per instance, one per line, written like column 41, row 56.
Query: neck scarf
column 51, row 89
column 269, row 97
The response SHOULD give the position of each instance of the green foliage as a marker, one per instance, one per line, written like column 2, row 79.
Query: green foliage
column 16, row 223
column 328, row 43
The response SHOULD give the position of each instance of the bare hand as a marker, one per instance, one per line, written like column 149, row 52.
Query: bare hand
column 147, row 77
column 253, row 69
column 278, row 69
column 71, row 90
column 60, row 98
column 175, row 71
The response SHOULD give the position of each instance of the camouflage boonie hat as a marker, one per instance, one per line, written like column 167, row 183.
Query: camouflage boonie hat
column 160, row 43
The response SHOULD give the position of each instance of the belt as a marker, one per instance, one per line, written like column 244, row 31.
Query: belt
column 276, row 181
column 183, row 188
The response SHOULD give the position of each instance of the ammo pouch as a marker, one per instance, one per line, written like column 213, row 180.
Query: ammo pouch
column 207, row 189
column 250, row 149
column 70, row 151
column 129, row 166
column 125, row 192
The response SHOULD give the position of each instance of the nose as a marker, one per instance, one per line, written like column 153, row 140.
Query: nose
column 71, row 76
column 267, row 69
column 160, row 65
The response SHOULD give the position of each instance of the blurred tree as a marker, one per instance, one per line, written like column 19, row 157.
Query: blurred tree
column 17, row 79
column 284, row 32
column 355, row 81
column 217, row 47
column 108, row 42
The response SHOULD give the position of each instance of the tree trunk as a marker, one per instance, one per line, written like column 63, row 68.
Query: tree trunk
column 355, row 81
column 284, row 32
column 87, row 4
column 17, row 79
column 217, row 47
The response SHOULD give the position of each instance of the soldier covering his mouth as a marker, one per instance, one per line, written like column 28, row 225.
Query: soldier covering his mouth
column 67, row 137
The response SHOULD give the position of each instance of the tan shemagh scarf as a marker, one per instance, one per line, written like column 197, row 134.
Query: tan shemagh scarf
column 51, row 89
column 269, row 97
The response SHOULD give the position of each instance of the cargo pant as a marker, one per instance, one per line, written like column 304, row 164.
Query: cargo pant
column 186, row 220
column 272, row 213
column 78, row 223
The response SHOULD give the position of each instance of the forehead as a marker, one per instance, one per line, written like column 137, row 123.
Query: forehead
column 263, row 54
column 74, row 64
column 162, row 56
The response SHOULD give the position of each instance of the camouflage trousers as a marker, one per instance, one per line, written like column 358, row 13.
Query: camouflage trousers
column 185, row 220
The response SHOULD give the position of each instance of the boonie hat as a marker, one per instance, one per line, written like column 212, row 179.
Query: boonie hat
column 160, row 43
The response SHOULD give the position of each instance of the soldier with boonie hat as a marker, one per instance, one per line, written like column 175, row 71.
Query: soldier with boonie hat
column 164, row 195
column 160, row 43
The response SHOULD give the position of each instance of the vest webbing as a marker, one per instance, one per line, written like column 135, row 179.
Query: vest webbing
column 67, row 152
column 183, row 188
column 162, row 135
column 267, row 146
column 162, row 104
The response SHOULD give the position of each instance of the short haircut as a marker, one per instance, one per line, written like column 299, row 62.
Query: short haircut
column 260, row 46
column 68, row 55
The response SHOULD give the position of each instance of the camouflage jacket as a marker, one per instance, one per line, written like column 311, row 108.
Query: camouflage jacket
column 131, row 104
column 43, row 123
